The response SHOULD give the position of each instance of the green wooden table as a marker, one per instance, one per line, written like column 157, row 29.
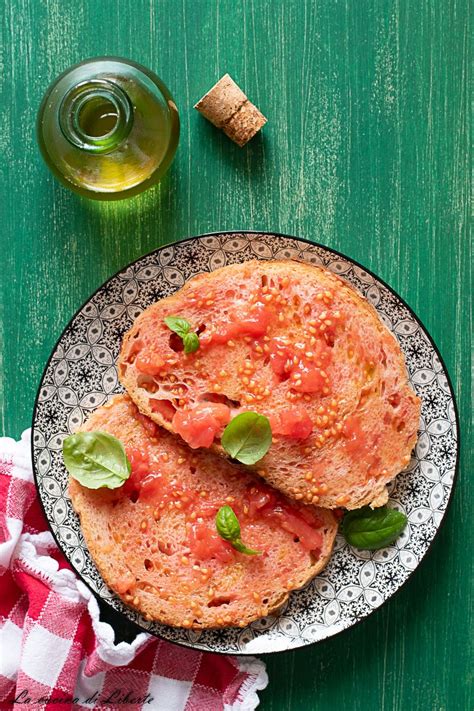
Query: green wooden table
column 365, row 150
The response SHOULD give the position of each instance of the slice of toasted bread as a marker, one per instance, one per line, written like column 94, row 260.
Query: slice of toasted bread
column 296, row 343
column 155, row 543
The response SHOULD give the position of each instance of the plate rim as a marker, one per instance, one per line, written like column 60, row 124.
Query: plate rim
column 304, row 240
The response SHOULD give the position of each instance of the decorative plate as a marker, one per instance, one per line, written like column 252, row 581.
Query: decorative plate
column 81, row 375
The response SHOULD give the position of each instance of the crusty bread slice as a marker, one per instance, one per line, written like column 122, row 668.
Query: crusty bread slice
column 294, row 342
column 155, row 543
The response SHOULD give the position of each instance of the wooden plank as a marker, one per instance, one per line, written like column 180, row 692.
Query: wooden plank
column 365, row 150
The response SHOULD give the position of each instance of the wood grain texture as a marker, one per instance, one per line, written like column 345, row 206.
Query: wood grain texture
column 365, row 151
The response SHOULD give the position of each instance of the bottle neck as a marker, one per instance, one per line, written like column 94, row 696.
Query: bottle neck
column 96, row 116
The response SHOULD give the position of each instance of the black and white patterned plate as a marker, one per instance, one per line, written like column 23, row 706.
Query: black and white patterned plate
column 81, row 375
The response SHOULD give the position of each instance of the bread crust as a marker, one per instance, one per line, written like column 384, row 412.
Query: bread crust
column 140, row 557
column 367, row 375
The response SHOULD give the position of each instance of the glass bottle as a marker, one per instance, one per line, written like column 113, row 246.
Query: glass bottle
column 108, row 128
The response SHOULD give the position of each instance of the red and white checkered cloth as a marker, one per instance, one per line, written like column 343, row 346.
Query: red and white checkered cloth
column 55, row 653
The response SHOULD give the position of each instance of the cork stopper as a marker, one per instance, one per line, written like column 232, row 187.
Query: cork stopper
column 227, row 107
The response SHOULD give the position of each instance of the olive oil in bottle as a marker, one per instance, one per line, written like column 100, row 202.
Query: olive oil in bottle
column 108, row 128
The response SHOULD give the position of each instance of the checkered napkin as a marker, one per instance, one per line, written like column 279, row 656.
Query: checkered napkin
column 55, row 653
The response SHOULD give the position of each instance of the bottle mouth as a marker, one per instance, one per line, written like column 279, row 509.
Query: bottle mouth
column 96, row 115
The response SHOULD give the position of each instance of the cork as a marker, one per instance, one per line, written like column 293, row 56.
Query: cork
column 227, row 107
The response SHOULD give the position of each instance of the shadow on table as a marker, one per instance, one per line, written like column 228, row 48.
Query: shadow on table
column 249, row 160
column 364, row 651
column 107, row 235
column 125, row 631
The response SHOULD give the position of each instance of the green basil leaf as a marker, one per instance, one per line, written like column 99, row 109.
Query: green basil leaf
column 96, row 460
column 228, row 528
column 178, row 325
column 227, row 524
column 183, row 329
column 247, row 437
column 239, row 546
column 371, row 529
column 190, row 342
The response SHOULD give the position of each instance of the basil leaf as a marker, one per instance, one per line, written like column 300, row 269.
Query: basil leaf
column 247, row 437
column 227, row 524
column 96, row 460
column 228, row 528
column 178, row 325
column 372, row 529
column 239, row 546
column 190, row 342
column 183, row 329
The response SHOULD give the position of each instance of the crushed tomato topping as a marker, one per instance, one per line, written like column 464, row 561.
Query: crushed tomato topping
column 356, row 441
column 293, row 422
column 252, row 322
column 302, row 523
column 149, row 363
column 163, row 407
column 205, row 543
column 151, row 427
column 150, row 485
column 199, row 425
column 303, row 364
